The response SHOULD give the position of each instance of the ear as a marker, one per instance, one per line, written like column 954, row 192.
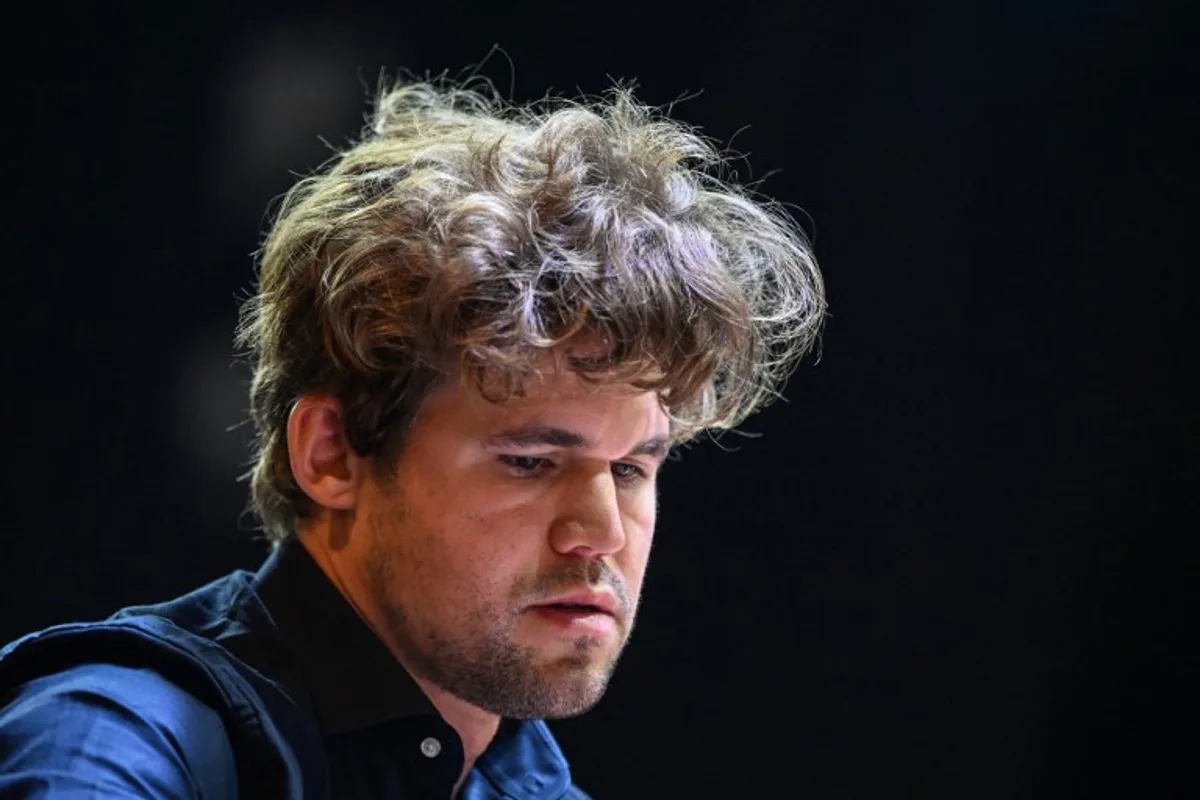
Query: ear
column 324, row 464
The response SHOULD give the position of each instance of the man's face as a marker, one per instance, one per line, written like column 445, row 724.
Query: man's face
column 495, row 511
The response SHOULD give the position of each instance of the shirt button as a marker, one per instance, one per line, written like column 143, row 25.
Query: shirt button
column 430, row 747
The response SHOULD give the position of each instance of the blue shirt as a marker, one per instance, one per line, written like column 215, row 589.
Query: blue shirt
column 189, row 699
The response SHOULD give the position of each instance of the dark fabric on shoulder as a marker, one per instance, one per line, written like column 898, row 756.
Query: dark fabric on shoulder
column 129, row 730
column 256, row 711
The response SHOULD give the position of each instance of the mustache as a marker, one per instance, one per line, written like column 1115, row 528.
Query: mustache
column 591, row 575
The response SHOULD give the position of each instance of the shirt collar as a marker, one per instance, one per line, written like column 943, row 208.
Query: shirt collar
column 352, row 677
column 525, row 761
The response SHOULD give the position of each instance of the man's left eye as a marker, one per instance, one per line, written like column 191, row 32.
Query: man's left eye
column 628, row 472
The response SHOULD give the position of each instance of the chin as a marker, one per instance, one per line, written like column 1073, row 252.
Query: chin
column 572, row 686
column 573, row 704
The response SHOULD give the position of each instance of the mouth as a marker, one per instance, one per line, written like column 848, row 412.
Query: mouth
column 585, row 602
column 588, row 613
column 577, row 619
column 582, row 607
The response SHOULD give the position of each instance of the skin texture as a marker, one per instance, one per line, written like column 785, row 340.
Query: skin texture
column 446, row 556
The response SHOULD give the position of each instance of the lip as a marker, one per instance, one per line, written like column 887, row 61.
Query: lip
column 595, row 602
column 573, row 622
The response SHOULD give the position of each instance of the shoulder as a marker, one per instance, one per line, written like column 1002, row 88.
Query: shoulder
column 100, row 724
column 141, row 695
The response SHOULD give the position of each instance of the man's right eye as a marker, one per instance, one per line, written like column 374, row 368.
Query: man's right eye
column 526, row 465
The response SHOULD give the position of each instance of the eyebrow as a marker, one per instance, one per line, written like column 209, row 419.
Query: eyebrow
column 534, row 435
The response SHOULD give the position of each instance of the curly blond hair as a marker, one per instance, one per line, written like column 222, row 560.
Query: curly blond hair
column 463, row 236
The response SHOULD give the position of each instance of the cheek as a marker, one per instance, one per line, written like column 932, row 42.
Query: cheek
column 487, row 552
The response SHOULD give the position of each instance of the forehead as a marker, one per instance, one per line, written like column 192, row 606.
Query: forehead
column 608, row 412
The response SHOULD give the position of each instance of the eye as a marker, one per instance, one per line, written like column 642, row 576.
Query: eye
column 526, row 465
column 628, row 473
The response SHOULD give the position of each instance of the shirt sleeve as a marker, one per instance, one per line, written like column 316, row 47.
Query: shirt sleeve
column 109, row 731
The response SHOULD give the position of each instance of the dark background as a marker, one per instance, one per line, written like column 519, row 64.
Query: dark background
column 954, row 565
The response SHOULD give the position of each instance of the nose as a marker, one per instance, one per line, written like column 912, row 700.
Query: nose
column 590, row 523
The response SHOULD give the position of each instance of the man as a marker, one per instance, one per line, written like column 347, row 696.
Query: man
column 476, row 337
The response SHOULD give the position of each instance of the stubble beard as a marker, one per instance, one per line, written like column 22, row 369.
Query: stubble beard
column 480, row 661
